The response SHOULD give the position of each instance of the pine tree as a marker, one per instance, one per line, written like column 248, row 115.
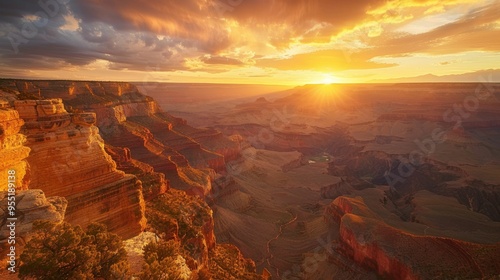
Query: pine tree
column 64, row 251
column 162, row 261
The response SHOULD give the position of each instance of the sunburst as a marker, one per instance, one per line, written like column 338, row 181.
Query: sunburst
column 329, row 79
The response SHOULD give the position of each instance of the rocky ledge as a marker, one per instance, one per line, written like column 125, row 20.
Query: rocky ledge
column 68, row 159
column 12, row 150
column 399, row 250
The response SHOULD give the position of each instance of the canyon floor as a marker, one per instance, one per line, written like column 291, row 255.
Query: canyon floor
column 358, row 181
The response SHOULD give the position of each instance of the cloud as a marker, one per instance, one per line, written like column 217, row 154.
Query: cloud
column 129, row 35
column 337, row 13
column 323, row 61
column 191, row 21
column 205, row 35
column 475, row 30
column 209, row 59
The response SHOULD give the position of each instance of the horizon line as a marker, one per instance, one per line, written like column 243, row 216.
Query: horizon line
column 254, row 84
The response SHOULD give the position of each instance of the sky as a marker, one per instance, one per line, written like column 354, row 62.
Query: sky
column 287, row 42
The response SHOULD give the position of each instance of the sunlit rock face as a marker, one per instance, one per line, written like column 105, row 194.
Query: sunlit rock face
column 153, row 183
column 30, row 205
column 68, row 159
column 12, row 150
column 126, row 118
column 106, row 148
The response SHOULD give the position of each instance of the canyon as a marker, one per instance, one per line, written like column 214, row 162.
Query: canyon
column 103, row 152
column 342, row 181
column 313, row 182
column 68, row 159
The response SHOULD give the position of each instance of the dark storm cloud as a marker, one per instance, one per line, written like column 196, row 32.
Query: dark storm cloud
column 12, row 11
column 193, row 21
column 33, row 37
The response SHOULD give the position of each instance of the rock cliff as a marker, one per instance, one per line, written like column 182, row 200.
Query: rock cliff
column 400, row 253
column 68, row 159
column 31, row 205
column 128, row 119
column 189, row 221
column 12, row 149
column 122, row 149
column 153, row 183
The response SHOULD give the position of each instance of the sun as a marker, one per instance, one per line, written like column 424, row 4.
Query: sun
column 329, row 79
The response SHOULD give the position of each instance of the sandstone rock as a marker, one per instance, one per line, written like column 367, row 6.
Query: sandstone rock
column 397, row 254
column 153, row 183
column 119, row 205
column 127, row 118
column 68, row 159
column 31, row 205
column 12, row 150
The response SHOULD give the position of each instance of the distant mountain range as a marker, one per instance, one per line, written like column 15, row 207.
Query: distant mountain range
column 489, row 75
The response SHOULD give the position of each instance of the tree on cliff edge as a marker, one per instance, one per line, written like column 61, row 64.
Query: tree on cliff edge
column 163, row 261
column 63, row 251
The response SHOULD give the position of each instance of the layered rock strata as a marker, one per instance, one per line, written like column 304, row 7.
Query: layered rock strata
column 140, row 140
column 68, row 159
column 153, row 183
column 30, row 205
column 128, row 119
column 398, row 254
column 12, row 150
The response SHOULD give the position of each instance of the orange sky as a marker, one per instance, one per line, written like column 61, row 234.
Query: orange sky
column 288, row 42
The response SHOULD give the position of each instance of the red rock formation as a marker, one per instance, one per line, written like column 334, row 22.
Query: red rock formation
column 145, row 148
column 189, row 221
column 71, row 89
column 126, row 118
column 396, row 254
column 68, row 159
column 12, row 149
column 31, row 205
column 153, row 183
column 184, row 139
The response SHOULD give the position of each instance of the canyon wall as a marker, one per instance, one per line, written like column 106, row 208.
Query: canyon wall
column 128, row 119
column 153, row 183
column 30, row 205
column 68, row 159
column 399, row 253
column 105, row 147
column 12, row 150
